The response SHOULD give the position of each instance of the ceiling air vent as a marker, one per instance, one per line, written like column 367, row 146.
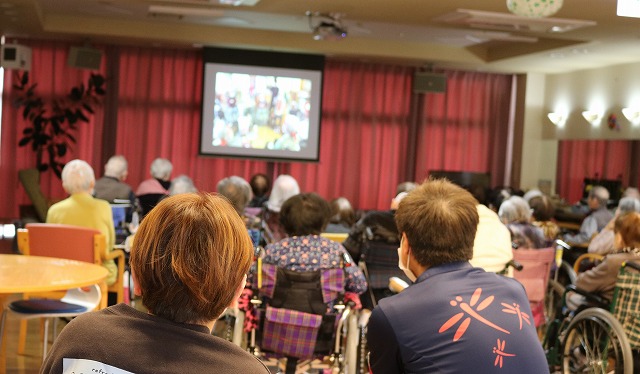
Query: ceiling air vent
column 510, row 22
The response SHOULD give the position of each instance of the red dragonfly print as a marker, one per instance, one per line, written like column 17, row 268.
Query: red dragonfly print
column 500, row 353
column 515, row 309
column 467, row 309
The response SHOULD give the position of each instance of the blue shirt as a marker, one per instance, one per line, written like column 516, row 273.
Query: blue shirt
column 456, row 319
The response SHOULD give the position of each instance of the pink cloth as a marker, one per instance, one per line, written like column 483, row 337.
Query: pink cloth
column 150, row 186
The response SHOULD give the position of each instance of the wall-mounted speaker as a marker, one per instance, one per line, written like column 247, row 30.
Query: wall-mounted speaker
column 14, row 56
column 84, row 58
column 429, row 82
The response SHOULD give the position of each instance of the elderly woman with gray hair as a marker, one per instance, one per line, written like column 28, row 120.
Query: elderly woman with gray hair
column 603, row 243
column 150, row 191
column 82, row 209
column 515, row 213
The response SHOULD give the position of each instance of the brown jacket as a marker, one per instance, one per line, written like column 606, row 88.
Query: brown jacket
column 602, row 278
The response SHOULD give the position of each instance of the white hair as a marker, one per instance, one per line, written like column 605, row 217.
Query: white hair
column 161, row 168
column 601, row 194
column 237, row 190
column 628, row 204
column 284, row 187
column 77, row 177
column 515, row 209
column 116, row 167
column 182, row 184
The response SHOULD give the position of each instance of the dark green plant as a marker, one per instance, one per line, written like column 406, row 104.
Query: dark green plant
column 52, row 127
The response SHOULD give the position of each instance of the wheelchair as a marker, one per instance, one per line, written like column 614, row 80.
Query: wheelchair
column 599, row 337
column 300, row 316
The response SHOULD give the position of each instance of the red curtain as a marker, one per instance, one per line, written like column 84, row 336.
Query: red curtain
column 375, row 133
column 466, row 128
column 365, row 118
column 55, row 79
column 597, row 159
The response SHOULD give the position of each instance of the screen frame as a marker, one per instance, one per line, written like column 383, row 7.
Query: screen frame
column 302, row 66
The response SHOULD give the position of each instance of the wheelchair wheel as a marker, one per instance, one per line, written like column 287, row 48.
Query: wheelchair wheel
column 596, row 343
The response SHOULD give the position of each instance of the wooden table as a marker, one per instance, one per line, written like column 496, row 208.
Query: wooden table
column 20, row 274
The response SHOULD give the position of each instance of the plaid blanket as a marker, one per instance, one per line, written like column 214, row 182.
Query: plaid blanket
column 627, row 305
column 290, row 332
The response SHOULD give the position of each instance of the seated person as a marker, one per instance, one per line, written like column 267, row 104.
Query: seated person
column 82, row 209
column 303, row 217
column 597, row 218
column 150, row 191
column 602, row 278
column 542, row 215
column 238, row 192
column 343, row 217
column 492, row 249
column 603, row 243
column 111, row 186
column 186, row 279
column 455, row 318
column 260, row 186
column 284, row 187
column 515, row 213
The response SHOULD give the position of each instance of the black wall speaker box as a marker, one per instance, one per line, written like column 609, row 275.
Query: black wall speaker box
column 429, row 82
column 84, row 58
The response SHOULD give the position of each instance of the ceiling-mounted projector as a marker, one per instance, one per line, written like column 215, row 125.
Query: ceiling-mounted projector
column 326, row 26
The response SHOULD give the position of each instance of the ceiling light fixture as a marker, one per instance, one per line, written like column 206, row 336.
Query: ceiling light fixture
column 534, row 8
column 592, row 117
column 632, row 114
column 628, row 8
column 557, row 119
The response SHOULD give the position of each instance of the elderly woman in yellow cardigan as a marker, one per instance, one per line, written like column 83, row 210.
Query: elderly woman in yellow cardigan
column 82, row 209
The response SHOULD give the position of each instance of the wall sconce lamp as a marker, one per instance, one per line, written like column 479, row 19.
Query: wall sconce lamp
column 592, row 117
column 557, row 119
column 632, row 114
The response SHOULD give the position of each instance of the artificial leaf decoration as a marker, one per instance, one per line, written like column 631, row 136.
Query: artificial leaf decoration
column 51, row 126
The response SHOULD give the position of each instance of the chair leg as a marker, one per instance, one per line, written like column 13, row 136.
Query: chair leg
column 45, row 341
column 4, row 317
column 22, row 336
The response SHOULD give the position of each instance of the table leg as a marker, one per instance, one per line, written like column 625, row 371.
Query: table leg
column 3, row 340
column 105, row 295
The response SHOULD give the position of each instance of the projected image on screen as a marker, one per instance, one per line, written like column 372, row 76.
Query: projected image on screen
column 261, row 112
column 265, row 112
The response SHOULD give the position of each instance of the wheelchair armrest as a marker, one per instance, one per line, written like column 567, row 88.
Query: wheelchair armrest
column 514, row 264
column 633, row 265
column 590, row 297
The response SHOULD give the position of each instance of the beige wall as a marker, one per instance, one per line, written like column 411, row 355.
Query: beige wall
column 539, row 155
column 607, row 90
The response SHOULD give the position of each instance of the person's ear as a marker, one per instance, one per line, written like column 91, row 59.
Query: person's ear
column 404, row 245
column 234, row 301
column 137, row 291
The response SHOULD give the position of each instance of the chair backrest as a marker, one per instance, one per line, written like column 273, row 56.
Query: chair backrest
column 336, row 237
column 62, row 241
column 381, row 259
column 536, row 271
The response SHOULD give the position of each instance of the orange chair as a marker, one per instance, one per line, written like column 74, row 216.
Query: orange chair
column 534, row 276
column 73, row 243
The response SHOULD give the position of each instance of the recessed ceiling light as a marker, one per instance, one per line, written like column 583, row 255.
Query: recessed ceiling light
column 628, row 8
